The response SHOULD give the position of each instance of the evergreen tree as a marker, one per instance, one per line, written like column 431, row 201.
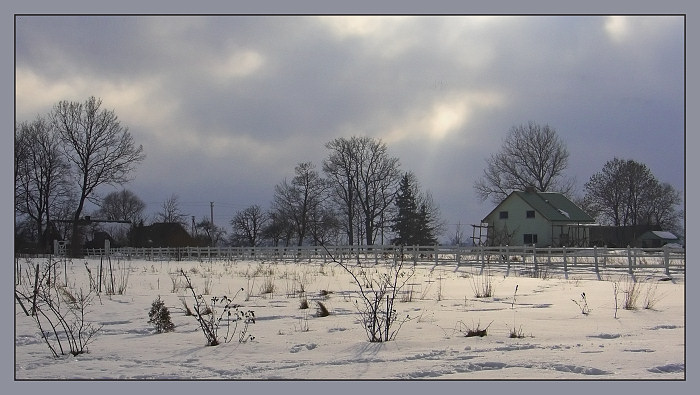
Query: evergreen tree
column 404, row 222
column 412, row 224
column 159, row 316
column 426, row 233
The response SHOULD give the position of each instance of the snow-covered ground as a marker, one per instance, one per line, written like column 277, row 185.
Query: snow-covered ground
column 558, row 341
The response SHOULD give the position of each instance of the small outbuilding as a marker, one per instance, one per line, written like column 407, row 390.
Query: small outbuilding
column 657, row 239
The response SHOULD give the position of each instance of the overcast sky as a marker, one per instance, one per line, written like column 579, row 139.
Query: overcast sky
column 226, row 106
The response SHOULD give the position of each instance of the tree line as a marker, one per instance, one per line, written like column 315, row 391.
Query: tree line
column 62, row 158
column 358, row 195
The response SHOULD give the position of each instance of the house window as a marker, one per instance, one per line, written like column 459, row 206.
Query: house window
column 529, row 238
column 503, row 215
column 530, row 214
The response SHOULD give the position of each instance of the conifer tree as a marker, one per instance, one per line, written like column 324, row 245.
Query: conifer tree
column 412, row 223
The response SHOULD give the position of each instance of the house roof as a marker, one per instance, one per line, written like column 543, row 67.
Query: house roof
column 552, row 206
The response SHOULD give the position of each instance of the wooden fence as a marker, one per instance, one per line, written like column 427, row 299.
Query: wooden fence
column 597, row 259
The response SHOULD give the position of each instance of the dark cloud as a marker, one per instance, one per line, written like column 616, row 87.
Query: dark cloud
column 226, row 106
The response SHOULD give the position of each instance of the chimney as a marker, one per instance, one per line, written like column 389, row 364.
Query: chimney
column 530, row 189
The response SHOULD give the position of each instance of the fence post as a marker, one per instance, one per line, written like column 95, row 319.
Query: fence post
column 436, row 254
column 667, row 260
column 566, row 265
column 507, row 258
column 595, row 258
column 629, row 260
column 534, row 257
column 483, row 258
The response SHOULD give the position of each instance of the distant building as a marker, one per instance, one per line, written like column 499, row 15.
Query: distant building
column 656, row 239
column 538, row 218
column 98, row 240
column 619, row 236
column 161, row 234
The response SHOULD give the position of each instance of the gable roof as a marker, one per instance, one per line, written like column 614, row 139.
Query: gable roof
column 552, row 206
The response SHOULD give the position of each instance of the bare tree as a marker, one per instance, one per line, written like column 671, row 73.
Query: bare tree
column 531, row 156
column 40, row 175
column 325, row 227
column 100, row 150
column 661, row 208
column 364, row 179
column 605, row 195
column 122, row 205
column 171, row 212
column 626, row 193
column 459, row 236
column 301, row 199
column 376, row 184
column 209, row 233
column 341, row 174
column 248, row 225
column 278, row 228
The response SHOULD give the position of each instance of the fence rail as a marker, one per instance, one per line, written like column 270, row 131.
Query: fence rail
column 510, row 257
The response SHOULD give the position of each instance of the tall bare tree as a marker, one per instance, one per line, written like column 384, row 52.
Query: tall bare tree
column 662, row 207
column 626, row 193
column 100, row 150
column 377, row 182
column 248, row 225
column 341, row 174
column 170, row 211
column 364, row 179
column 531, row 156
column 122, row 205
column 209, row 233
column 278, row 228
column 301, row 199
column 40, row 175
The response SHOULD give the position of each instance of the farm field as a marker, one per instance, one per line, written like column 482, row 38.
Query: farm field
column 568, row 327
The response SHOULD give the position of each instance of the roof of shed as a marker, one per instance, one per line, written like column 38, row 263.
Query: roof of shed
column 659, row 234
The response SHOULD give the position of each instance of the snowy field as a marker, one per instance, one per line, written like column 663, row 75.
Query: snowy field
column 556, row 341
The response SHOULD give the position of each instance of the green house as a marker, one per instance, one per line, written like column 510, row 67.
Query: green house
column 538, row 218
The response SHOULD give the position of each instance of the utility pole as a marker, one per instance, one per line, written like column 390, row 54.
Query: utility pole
column 212, row 213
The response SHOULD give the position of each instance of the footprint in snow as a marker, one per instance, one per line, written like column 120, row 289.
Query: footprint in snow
column 299, row 347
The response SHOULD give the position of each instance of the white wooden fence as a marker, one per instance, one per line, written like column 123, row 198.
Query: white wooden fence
column 670, row 260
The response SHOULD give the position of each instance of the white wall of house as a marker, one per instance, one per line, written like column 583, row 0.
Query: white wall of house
column 525, row 229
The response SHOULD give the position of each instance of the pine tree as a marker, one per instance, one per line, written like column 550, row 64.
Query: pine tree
column 159, row 315
column 411, row 223
column 406, row 210
column 425, row 234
